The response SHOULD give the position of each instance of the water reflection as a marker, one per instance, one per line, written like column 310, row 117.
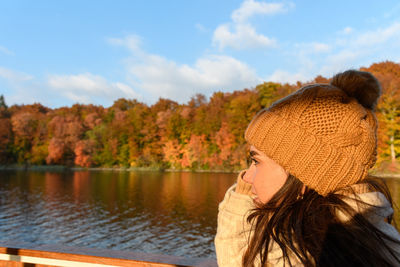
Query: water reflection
column 168, row 213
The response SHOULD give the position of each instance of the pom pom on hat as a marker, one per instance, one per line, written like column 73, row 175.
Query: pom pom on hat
column 361, row 85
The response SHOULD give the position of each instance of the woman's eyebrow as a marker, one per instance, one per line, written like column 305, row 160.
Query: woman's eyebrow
column 253, row 153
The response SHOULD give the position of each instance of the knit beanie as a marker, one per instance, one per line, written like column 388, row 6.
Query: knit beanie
column 323, row 134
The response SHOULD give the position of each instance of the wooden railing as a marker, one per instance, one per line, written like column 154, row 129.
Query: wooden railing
column 15, row 254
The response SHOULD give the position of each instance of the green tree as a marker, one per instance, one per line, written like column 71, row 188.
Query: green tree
column 388, row 110
column 2, row 102
column 268, row 93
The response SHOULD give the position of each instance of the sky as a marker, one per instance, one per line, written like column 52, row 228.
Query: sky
column 59, row 53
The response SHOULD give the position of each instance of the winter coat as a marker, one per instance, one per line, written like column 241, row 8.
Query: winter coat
column 233, row 231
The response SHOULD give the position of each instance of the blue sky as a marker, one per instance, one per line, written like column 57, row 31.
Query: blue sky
column 63, row 52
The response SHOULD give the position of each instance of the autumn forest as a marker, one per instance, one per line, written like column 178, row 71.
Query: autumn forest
column 203, row 134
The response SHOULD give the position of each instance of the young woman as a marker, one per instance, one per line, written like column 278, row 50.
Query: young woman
column 307, row 198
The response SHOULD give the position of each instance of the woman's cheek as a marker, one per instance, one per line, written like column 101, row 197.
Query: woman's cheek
column 262, row 189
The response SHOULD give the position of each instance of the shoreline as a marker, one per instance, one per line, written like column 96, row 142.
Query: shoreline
column 141, row 169
column 129, row 169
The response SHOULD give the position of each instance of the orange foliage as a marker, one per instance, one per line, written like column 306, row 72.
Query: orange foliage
column 201, row 134
column 66, row 127
column 172, row 153
column 56, row 151
column 194, row 152
column 23, row 124
column 92, row 120
column 225, row 140
column 83, row 153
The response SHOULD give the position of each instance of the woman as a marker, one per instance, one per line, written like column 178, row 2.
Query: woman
column 307, row 198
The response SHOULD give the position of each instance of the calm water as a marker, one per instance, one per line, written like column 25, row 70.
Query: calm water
column 167, row 213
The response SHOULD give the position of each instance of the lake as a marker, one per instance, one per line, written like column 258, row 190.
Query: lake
column 164, row 213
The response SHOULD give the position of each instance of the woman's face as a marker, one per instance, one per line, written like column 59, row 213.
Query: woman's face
column 265, row 175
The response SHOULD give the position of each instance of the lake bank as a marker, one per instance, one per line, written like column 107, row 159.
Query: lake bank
column 383, row 174
column 64, row 168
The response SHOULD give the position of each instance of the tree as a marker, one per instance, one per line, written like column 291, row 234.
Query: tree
column 6, row 140
column 194, row 152
column 172, row 153
column 240, row 110
column 56, row 151
column 83, row 153
column 203, row 133
column 225, row 141
column 388, row 110
column 268, row 93
column 2, row 103
column 92, row 120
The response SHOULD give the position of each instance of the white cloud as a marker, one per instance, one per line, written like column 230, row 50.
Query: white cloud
column 339, row 61
column 281, row 76
column 4, row 50
column 313, row 48
column 344, row 51
column 159, row 77
column 22, row 88
column 240, row 34
column 151, row 75
column 85, row 88
column 250, row 8
column 14, row 76
column 56, row 90
column 379, row 36
column 347, row 30
column 132, row 42
column 363, row 48
column 244, row 36
column 320, row 47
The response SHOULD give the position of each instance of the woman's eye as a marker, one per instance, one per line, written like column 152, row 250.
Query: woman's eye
column 253, row 160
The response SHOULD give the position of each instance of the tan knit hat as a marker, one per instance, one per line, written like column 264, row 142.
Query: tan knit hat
column 323, row 134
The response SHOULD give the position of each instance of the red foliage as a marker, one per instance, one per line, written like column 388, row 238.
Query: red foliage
column 225, row 140
column 199, row 134
column 68, row 128
column 23, row 124
column 83, row 153
column 92, row 120
column 194, row 151
column 56, row 151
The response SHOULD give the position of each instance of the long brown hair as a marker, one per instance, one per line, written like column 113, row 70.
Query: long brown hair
column 305, row 225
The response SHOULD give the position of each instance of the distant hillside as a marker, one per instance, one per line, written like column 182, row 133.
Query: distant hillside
column 201, row 134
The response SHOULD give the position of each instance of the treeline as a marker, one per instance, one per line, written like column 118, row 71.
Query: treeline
column 201, row 134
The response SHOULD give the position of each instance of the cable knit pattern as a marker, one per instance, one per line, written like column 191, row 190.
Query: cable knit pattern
column 320, row 135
